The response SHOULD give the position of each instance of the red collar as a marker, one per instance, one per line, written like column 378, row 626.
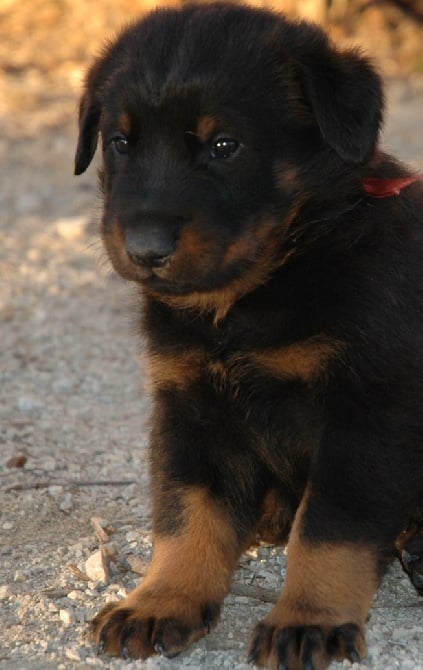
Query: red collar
column 385, row 188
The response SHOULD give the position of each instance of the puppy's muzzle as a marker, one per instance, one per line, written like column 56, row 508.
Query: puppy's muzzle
column 151, row 242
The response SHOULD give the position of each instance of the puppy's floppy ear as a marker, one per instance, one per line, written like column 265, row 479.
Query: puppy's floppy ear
column 89, row 120
column 346, row 99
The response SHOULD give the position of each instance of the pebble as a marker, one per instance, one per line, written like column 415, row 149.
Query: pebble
column 19, row 576
column 72, row 655
column 132, row 536
column 5, row 592
column 67, row 503
column 74, row 595
column 67, row 616
column 95, row 567
column 27, row 404
column 102, row 528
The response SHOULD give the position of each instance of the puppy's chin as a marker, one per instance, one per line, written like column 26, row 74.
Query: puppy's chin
column 156, row 280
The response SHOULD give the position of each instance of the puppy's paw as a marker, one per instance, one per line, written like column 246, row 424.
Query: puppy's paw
column 311, row 647
column 152, row 624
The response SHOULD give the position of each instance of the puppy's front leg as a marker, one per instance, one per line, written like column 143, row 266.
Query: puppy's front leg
column 179, row 599
column 203, row 511
column 341, row 540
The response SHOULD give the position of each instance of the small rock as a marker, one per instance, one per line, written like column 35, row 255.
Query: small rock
column 72, row 654
column 67, row 503
column 67, row 616
column 27, row 404
column 132, row 536
column 137, row 564
column 5, row 592
column 17, row 461
column 19, row 576
column 109, row 552
column 96, row 568
column 74, row 595
column 78, row 572
column 102, row 529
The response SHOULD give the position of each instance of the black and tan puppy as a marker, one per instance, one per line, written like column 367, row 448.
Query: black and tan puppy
column 280, row 257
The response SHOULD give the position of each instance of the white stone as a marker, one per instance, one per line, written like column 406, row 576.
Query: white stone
column 95, row 567
column 67, row 616
column 5, row 592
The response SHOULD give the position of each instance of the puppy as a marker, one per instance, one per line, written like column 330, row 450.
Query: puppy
column 279, row 253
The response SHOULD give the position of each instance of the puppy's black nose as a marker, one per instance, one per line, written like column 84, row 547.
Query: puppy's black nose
column 150, row 246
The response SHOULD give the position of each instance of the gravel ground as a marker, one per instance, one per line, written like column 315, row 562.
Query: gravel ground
column 74, row 519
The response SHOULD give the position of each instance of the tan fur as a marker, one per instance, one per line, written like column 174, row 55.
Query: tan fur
column 288, row 177
column 166, row 371
column 262, row 247
column 327, row 584
column 306, row 360
column 190, row 570
column 206, row 544
column 125, row 124
column 274, row 524
column 206, row 127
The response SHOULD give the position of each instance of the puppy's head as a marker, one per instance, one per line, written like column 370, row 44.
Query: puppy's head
column 218, row 123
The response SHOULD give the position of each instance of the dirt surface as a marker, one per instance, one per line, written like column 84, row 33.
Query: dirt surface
column 73, row 413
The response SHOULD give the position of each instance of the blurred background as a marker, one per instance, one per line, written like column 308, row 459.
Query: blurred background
column 50, row 34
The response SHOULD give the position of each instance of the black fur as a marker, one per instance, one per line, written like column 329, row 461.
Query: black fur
column 274, row 247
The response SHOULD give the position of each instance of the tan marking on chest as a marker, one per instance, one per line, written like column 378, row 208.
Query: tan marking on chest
column 306, row 360
column 174, row 370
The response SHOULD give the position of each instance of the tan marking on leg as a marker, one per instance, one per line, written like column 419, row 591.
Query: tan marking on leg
column 200, row 559
column 327, row 584
column 178, row 600
column 307, row 360
column 322, row 610
column 178, row 371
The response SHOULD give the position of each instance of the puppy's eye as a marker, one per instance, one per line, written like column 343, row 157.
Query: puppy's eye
column 120, row 144
column 223, row 147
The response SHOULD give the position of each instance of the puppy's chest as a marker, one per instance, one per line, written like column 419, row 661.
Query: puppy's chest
column 231, row 370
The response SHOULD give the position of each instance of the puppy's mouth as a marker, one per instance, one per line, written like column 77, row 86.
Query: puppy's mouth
column 196, row 259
